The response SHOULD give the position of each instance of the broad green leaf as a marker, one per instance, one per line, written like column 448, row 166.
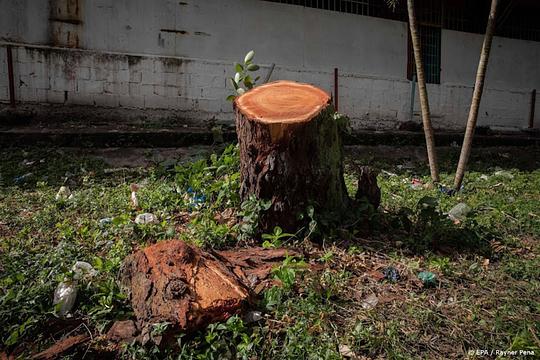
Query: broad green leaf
column 249, row 56
column 238, row 67
column 237, row 77
column 253, row 67
column 248, row 84
column 267, row 244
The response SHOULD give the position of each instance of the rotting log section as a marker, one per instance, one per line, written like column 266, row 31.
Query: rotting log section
column 189, row 288
column 290, row 152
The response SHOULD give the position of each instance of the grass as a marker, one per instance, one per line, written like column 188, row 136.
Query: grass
column 334, row 301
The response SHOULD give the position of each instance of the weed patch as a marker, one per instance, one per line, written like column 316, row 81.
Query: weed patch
column 339, row 296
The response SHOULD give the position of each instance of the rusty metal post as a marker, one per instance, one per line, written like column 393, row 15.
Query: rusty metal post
column 531, row 111
column 336, row 86
column 10, row 76
column 269, row 73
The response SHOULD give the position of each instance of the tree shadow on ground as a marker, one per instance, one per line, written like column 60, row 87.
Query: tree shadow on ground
column 27, row 168
column 416, row 231
column 402, row 159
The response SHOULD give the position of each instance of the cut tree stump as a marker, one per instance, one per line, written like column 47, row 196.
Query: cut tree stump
column 290, row 152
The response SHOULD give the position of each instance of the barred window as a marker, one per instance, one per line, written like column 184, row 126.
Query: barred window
column 516, row 19
column 376, row 8
column 430, row 41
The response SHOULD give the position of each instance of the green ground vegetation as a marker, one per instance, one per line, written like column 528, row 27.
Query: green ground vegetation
column 337, row 301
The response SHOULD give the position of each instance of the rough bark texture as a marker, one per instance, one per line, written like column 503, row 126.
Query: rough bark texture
column 477, row 96
column 61, row 346
column 368, row 187
column 189, row 288
column 122, row 332
column 290, row 152
column 254, row 265
column 172, row 281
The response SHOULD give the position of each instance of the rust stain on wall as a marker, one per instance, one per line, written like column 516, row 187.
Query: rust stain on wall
column 65, row 22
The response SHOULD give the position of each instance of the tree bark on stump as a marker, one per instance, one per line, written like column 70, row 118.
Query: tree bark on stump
column 290, row 152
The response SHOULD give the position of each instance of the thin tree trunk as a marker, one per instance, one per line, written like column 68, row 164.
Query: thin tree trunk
column 477, row 96
column 422, row 90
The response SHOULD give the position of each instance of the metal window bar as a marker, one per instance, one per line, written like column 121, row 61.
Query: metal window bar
column 376, row 8
column 430, row 40
column 461, row 15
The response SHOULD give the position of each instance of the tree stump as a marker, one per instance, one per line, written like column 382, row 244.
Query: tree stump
column 290, row 152
column 189, row 288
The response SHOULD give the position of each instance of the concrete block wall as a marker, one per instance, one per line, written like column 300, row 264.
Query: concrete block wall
column 192, row 87
column 176, row 56
column 172, row 55
column 80, row 77
column 196, row 89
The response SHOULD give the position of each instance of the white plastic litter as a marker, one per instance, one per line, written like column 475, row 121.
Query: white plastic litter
column 134, row 200
column 391, row 174
column 82, row 269
column 370, row 301
column 505, row 174
column 105, row 221
column 459, row 212
column 63, row 194
column 65, row 295
column 146, row 218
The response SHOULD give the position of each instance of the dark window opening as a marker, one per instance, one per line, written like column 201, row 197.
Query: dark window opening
column 430, row 42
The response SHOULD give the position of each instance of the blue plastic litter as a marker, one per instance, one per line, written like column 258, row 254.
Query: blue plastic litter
column 22, row 178
column 391, row 274
column 195, row 200
column 448, row 190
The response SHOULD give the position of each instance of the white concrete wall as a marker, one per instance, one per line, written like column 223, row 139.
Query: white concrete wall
column 177, row 55
column 24, row 21
column 82, row 77
column 513, row 71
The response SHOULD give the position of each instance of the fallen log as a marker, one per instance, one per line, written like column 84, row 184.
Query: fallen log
column 189, row 288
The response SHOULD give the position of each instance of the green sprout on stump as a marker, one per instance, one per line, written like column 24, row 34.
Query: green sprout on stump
column 242, row 80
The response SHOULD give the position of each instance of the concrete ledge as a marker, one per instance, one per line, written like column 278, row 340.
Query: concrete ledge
column 171, row 138
column 101, row 127
column 366, row 137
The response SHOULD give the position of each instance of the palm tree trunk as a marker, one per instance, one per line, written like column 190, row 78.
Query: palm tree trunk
column 477, row 96
column 422, row 90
